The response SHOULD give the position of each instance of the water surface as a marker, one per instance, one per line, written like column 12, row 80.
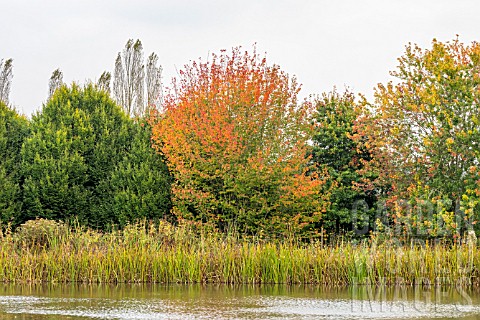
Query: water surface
column 235, row 302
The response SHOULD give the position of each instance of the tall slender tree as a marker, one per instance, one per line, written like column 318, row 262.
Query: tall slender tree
column 56, row 81
column 129, row 77
column 137, row 87
column 154, row 82
column 6, row 75
column 104, row 81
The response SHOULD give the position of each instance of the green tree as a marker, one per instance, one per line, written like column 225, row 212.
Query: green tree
column 140, row 184
column 335, row 151
column 82, row 153
column 13, row 131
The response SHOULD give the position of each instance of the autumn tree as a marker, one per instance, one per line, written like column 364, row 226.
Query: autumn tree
column 335, row 151
column 235, row 139
column 56, row 81
column 6, row 75
column 425, row 134
column 86, row 159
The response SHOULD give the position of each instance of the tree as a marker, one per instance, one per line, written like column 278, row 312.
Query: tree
column 136, row 92
column 235, row 139
column 104, row 82
column 335, row 151
column 139, row 187
column 13, row 131
column 86, row 159
column 129, row 78
column 154, row 82
column 424, row 134
column 6, row 75
column 56, row 81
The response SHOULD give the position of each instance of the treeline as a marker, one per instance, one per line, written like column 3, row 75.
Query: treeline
column 230, row 145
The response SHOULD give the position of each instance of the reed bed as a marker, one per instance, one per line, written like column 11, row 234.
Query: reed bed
column 44, row 251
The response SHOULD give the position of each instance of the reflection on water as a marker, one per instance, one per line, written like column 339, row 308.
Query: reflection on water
column 235, row 302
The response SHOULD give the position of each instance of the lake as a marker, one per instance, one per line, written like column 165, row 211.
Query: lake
column 235, row 302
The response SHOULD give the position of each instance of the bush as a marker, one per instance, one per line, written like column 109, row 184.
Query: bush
column 40, row 233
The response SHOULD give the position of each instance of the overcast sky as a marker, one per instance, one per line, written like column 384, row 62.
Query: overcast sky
column 325, row 43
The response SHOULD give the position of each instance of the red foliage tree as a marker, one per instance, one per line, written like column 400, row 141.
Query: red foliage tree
column 235, row 138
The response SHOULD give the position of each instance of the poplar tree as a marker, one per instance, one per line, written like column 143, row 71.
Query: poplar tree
column 137, row 88
column 56, row 81
column 104, row 82
column 6, row 75
column 153, row 82
column 129, row 77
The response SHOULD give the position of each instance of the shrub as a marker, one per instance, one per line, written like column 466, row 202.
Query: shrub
column 40, row 233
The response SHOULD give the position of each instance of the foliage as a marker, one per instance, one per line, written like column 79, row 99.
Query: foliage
column 84, row 157
column 244, row 154
column 336, row 151
column 235, row 138
column 13, row 131
column 424, row 133
column 139, row 187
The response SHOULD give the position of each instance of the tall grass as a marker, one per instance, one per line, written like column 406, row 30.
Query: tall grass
column 44, row 251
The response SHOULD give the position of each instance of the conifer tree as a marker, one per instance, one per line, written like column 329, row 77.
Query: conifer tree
column 87, row 160
column 13, row 131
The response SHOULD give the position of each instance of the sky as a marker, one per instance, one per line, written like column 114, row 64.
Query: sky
column 324, row 43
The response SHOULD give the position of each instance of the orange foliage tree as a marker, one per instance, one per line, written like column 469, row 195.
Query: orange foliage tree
column 236, row 138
